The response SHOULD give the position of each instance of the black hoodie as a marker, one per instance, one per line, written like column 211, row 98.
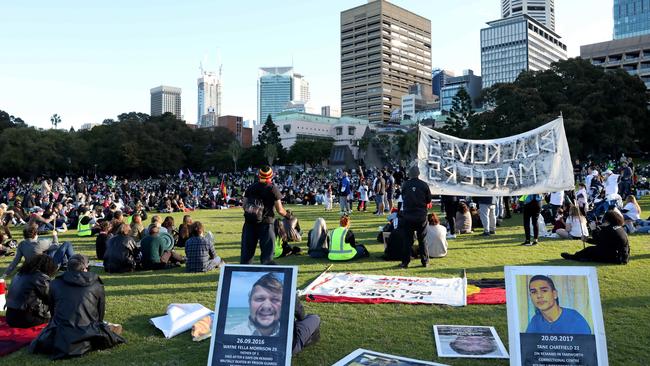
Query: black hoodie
column 78, row 304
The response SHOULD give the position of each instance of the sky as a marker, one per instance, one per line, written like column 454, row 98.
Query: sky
column 90, row 60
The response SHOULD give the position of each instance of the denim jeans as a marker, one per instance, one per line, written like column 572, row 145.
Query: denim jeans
column 61, row 253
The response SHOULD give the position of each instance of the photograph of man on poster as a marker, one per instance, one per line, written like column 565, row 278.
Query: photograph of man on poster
column 550, row 317
column 264, row 309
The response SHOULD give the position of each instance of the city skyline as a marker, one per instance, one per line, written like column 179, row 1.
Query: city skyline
column 94, row 62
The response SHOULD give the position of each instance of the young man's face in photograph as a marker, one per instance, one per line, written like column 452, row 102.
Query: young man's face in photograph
column 265, row 307
column 543, row 295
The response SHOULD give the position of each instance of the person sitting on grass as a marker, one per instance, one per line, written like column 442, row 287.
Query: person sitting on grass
column 137, row 229
column 154, row 255
column 344, row 246
column 318, row 239
column 28, row 295
column 199, row 249
column 184, row 231
column 575, row 225
column 33, row 246
column 611, row 242
column 281, row 245
column 435, row 237
column 102, row 239
column 122, row 253
column 463, row 219
column 77, row 325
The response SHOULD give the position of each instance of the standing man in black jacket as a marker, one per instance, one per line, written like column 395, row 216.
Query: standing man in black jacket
column 416, row 196
column 261, row 193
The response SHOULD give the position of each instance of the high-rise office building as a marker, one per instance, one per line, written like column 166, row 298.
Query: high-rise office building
column 438, row 78
column 515, row 44
column 384, row 50
column 166, row 99
column 542, row 11
column 277, row 86
column 631, row 18
column 468, row 81
column 209, row 98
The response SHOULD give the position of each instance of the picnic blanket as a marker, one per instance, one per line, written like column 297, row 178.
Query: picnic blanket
column 13, row 339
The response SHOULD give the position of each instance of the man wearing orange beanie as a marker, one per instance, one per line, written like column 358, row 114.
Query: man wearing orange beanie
column 261, row 200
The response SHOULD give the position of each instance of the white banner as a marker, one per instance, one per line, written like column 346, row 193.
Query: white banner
column 360, row 288
column 537, row 161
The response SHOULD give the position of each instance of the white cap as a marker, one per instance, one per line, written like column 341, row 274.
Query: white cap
column 594, row 172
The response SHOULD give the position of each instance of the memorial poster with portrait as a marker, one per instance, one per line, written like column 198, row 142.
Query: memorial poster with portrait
column 254, row 316
column 468, row 341
column 554, row 316
column 364, row 357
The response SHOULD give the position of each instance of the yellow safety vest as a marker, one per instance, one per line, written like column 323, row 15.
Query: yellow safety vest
column 340, row 250
column 278, row 247
column 84, row 230
column 128, row 220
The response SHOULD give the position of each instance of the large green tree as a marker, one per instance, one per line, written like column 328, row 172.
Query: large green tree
column 459, row 115
column 605, row 112
column 269, row 134
column 311, row 152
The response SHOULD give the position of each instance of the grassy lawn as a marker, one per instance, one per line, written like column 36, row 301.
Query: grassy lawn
column 404, row 330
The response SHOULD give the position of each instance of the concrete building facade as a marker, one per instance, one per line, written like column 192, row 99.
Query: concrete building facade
column 209, row 97
column 541, row 10
column 630, row 54
column 384, row 50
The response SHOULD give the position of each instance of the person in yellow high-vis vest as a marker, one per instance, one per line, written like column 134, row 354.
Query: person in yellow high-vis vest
column 343, row 245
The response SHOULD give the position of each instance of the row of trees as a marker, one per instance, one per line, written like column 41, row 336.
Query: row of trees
column 604, row 112
column 137, row 144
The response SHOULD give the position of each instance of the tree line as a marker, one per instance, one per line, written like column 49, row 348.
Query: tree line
column 139, row 145
column 605, row 112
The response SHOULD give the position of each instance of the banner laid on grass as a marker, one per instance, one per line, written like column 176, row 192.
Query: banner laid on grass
column 254, row 316
column 373, row 289
column 554, row 316
column 537, row 161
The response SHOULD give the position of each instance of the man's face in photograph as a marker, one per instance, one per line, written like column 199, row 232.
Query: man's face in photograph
column 265, row 307
column 542, row 295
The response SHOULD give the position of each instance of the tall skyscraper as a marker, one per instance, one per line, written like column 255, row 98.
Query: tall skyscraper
column 384, row 50
column 166, row 99
column 209, row 98
column 542, row 11
column 468, row 81
column 277, row 86
column 631, row 18
column 515, row 44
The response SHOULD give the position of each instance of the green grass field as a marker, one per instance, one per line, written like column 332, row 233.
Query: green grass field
column 404, row 330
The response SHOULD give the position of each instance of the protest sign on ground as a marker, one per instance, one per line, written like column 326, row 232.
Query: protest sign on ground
column 363, row 357
column 468, row 342
column 554, row 316
column 254, row 316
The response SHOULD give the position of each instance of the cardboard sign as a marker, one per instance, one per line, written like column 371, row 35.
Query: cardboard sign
column 254, row 316
column 363, row 357
column 555, row 316
column 468, row 341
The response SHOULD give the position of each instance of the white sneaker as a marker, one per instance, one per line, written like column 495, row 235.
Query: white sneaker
column 451, row 236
